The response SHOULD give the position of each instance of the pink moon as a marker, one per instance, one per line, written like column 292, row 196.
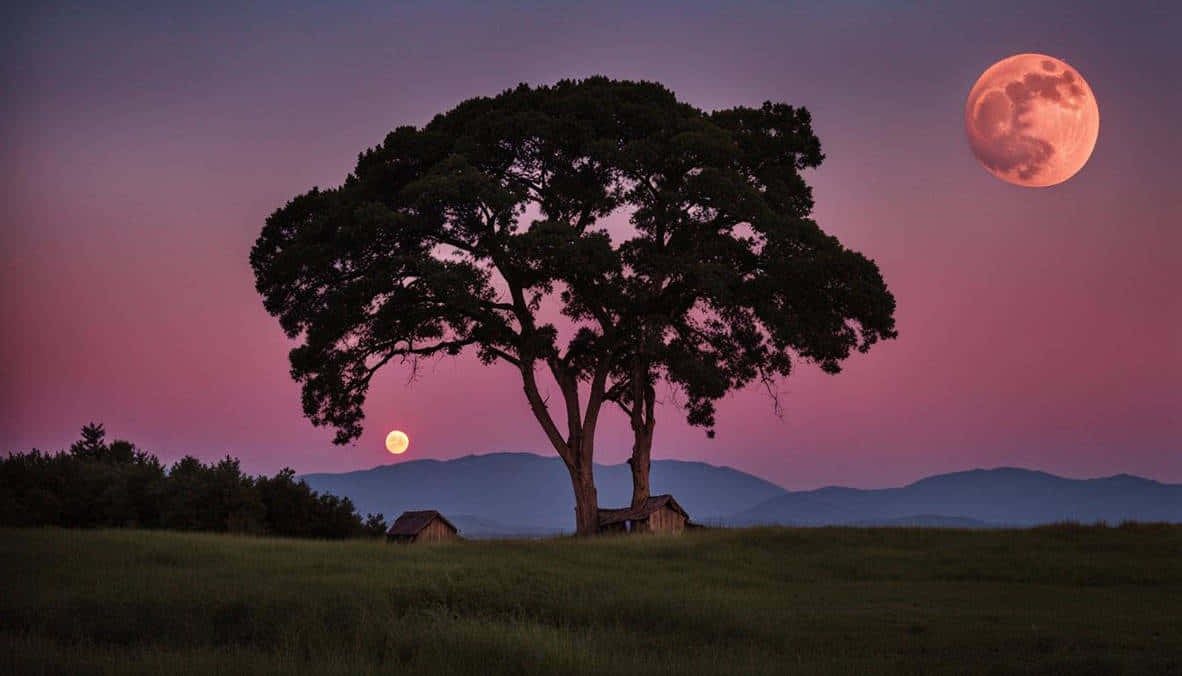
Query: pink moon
column 1032, row 120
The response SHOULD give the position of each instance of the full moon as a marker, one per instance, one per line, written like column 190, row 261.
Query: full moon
column 397, row 442
column 1032, row 120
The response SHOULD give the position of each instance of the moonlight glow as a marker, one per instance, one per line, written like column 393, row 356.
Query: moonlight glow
column 397, row 442
column 1032, row 120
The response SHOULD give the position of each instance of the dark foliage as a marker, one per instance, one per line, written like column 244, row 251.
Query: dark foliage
column 454, row 235
column 723, row 281
column 96, row 484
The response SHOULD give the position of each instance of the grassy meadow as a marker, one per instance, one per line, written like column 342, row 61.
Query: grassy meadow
column 1055, row 600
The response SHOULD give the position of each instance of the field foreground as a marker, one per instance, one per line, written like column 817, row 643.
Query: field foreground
column 1056, row 600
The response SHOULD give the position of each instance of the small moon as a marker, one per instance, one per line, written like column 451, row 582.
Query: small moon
column 397, row 442
column 1032, row 120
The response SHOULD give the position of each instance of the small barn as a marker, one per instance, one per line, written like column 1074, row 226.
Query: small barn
column 658, row 514
column 422, row 526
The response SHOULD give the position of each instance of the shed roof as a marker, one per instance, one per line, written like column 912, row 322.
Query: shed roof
column 610, row 516
column 412, row 523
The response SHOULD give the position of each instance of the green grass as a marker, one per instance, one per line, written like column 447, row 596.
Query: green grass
column 1062, row 600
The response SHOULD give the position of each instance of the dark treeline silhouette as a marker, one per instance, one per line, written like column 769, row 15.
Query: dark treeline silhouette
column 100, row 484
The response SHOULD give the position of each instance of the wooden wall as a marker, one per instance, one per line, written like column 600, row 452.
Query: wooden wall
column 435, row 531
column 664, row 520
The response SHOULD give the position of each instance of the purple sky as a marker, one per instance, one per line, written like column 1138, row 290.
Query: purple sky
column 143, row 148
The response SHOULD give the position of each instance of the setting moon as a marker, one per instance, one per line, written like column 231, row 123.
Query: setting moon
column 1032, row 120
column 397, row 442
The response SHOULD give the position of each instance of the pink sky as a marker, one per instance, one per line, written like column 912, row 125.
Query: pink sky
column 1038, row 327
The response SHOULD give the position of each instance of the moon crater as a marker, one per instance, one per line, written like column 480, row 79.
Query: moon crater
column 1032, row 120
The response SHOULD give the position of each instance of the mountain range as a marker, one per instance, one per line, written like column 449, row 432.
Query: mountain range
column 522, row 494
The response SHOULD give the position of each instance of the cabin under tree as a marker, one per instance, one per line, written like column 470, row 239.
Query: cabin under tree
column 658, row 514
column 426, row 525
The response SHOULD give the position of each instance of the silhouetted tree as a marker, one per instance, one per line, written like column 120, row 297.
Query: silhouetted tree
column 375, row 525
column 420, row 252
column 92, row 444
column 96, row 484
column 726, row 281
column 288, row 503
column 431, row 245
column 335, row 517
column 212, row 498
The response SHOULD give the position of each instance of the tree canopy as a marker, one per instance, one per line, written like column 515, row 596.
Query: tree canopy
column 725, row 278
column 103, row 484
column 455, row 234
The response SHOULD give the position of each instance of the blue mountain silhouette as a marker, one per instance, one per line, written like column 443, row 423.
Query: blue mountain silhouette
column 1007, row 496
column 505, row 494
column 524, row 494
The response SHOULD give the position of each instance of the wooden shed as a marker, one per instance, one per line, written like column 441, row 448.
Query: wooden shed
column 658, row 514
column 427, row 525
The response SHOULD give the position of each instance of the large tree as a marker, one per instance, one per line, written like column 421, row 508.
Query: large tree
column 726, row 280
column 455, row 234
column 426, row 250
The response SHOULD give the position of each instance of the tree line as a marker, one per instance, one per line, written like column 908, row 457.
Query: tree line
column 99, row 484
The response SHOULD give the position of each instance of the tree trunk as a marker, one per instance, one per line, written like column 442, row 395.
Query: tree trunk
column 643, row 421
column 586, row 502
column 576, row 450
column 640, row 462
column 582, row 478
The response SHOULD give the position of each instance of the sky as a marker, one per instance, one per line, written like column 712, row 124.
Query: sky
column 144, row 144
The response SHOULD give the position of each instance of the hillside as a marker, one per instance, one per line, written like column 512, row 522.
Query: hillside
column 1004, row 496
column 522, row 494
column 502, row 494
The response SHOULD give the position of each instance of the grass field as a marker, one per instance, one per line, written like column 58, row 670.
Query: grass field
column 1058, row 600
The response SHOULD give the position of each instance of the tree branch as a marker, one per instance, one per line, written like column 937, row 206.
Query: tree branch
column 538, row 406
column 568, row 384
column 599, row 384
column 501, row 354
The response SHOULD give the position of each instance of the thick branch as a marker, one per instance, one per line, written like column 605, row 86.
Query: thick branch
column 501, row 354
column 538, row 406
column 650, row 400
column 638, row 382
column 598, row 385
column 569, row 385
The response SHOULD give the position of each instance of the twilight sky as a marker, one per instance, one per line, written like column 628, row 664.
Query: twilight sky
column 143, row 146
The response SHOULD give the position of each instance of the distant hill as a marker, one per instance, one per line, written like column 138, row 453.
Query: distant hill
column 527, row 495
column 476, row 527
column 512, row 494
column 1006, row 496
column 925, row 521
